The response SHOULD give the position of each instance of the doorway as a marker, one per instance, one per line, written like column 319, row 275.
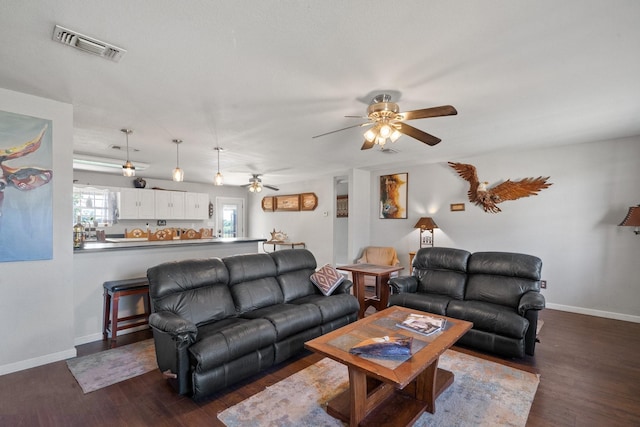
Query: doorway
column 229, row 217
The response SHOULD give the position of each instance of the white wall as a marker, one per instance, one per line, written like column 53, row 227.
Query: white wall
column 590, row 264
column 314, row 228
column 36, row 308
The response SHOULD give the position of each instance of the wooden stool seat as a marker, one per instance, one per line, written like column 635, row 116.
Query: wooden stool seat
column 115, row 289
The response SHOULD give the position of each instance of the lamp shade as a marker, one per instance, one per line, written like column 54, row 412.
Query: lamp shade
column 426, row 223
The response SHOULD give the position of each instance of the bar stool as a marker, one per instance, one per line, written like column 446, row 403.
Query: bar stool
column 115, row 289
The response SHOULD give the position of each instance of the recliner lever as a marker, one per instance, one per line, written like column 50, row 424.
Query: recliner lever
column 169, row 374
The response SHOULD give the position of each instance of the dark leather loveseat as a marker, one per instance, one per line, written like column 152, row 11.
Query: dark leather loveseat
column 498, row 291
column 217, row 321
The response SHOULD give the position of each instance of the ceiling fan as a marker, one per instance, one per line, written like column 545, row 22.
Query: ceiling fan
column 389, row 123
column 255, row 184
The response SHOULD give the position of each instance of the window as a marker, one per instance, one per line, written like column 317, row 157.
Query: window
column 96, row 206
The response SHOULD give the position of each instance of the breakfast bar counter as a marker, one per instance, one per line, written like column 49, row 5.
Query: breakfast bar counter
column 121, row 259
column 119, row 244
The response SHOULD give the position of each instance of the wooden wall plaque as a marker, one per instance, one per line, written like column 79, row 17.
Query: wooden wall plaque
column 267, row 204
column 308, row 201
column 290, row 202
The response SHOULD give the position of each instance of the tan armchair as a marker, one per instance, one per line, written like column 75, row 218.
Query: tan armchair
column 379, row 255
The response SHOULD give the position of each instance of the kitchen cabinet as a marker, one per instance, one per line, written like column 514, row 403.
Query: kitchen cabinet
column 170, row 204
column 196, row 206
column 136, row 203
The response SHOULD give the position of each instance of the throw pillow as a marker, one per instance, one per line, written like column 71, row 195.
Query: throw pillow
column 327, row 279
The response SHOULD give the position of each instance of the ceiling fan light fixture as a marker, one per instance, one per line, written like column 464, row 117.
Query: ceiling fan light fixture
column 385, row 131
column 395, row 135
column 370, row 135
column 128, row 169
column 178, row 174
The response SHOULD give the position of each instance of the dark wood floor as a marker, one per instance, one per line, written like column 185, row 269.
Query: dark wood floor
column 590, row 376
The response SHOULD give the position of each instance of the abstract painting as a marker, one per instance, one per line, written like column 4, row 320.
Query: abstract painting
column 26, row 196
column 393, row 196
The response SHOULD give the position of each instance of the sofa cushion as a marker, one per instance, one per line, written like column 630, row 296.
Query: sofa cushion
column 288, row 319
column 502, row 277
column 252, row 281
column 195, row 290
column 327, row 279
column 293, row 267
column 441, row 271
column 430, row 303
column 489, row 317
column 230, row 342
column 337, row 306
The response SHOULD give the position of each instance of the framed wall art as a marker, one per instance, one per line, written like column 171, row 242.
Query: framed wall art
column 393, row 196
column 26, row 198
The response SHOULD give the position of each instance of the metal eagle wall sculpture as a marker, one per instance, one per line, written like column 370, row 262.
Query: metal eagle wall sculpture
column 489, row 198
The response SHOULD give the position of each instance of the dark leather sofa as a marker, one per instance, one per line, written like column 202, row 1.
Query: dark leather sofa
column 498, row 291
column 217, row 321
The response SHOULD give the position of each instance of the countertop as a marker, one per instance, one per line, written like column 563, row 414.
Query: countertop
column 119, row 244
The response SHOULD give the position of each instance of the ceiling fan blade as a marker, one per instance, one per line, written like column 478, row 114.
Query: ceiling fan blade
column 339, row 130
column 271, row 187
column 367, row 145
column 357, row 117
column 444, row 110
column 417, row 134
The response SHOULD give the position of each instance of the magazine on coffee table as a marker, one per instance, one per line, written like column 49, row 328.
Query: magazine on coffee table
column 422, row 324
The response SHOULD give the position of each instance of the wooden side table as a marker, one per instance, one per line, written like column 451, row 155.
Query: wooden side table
column 411, row 255
column 381, row 274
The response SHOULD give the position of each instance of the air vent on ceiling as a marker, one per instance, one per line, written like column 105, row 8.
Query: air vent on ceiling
column 87, row 44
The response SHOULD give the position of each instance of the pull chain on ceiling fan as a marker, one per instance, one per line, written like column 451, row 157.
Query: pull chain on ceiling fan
column 389, row 123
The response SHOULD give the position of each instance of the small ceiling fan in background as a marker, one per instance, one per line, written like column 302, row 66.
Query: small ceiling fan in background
column 389, row 123
column 255, row 184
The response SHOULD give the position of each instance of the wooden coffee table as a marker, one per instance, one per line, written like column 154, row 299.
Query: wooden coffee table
column 388, row 392
column 381, row 274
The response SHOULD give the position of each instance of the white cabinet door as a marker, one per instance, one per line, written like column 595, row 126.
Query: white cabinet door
column 147, row 206
column 136, row 203
column 169, row 204
column 197, row 206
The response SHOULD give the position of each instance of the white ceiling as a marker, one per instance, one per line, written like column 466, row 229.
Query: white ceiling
column 260, row 78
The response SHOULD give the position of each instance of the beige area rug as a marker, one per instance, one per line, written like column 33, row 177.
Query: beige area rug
column 483, row 394
column 108, row 367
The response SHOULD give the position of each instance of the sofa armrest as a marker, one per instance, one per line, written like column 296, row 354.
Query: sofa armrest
column 403, row 284
column 172, row 336
column 173, row 325
column 344, row 287
column 530, row 301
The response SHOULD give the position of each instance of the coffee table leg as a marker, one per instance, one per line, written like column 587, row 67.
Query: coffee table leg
column 358, row 390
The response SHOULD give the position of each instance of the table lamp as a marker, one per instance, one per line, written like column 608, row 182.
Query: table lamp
column 426, row 223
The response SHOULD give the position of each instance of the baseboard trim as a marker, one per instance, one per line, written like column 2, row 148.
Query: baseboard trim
column 97, row 337
column 37, row 361
column 592, row 312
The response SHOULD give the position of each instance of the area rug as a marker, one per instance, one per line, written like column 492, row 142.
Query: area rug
column 108, row 367
column 483, row 394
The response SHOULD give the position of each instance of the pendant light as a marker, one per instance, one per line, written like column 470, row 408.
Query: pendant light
column 128, row 169
column 218, row 180
column 178, row 174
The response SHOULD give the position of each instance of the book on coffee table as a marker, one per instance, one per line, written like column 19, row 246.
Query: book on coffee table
column 422, row 324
